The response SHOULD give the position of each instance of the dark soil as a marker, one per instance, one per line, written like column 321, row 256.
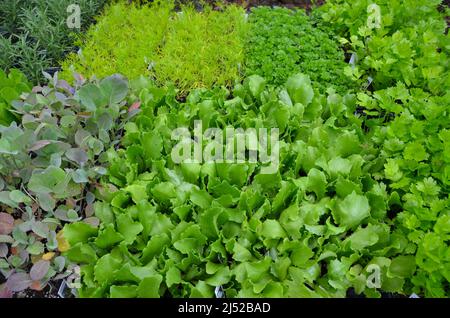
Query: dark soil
column 50, row 291
column 305, row 4
column 352, row 294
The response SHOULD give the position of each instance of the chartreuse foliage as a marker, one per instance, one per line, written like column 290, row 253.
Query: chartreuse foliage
column 310, row 229
column 202, row 49
column 125, row 40
column 11, row 86
column 407, row 57
column 282, row 42
column 191, row 49
column 50, row 162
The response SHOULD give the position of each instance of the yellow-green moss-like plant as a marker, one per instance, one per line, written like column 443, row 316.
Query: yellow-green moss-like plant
column 125, row 40
column 191, row 48
column 202, row 49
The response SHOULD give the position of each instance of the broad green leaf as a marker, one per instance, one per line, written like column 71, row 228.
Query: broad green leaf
column 77, row 155
column 362, row 238
column 280, row 268
column 272, row 229
column 50, row 180
column 403, row 266
column 155, row 247
column 300, row 254
column 128, row 228
column 317, row 182
column 127, row 291
column 46, row 201
column 173, row 276
column 36, row 248
column 108, row 237
column 221, row 277
column 91, row 97
column 152, row 144
column 19, row 197
column 273, row 290
column 149, row 287
column 164, row 191
column 299, row 89
column 106, row 268
column 138, row 192
column 352, row 210
column 104, row 212
column 256, row 85
column 5, row 198
column 79, row 232
column 202, row 290
column 415, row 151
column 255, row 270
column 201, row 198
column 241, row 254
column 114, row 88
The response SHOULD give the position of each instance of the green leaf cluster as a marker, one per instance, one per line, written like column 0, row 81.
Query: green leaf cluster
column 407, row 119
column 311, row 229
column 50, row 164
column 282, row 42
column 410, row 45
column 414, row 147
